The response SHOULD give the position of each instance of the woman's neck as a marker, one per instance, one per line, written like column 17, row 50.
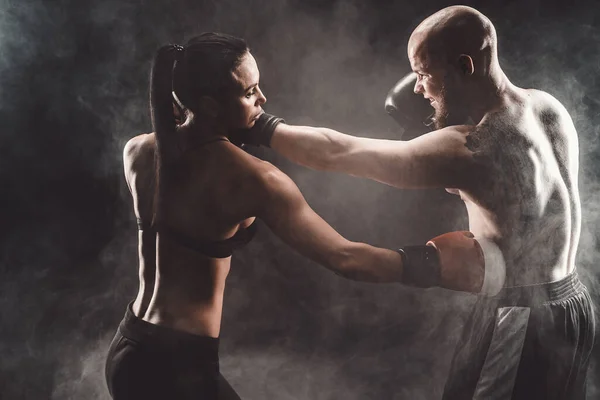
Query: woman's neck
column 199, row 132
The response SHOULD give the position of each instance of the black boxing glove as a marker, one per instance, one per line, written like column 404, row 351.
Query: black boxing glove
column 411, row 111
column 260, row 134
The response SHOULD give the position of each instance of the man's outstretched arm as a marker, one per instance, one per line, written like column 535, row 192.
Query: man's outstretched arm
column 437, row 159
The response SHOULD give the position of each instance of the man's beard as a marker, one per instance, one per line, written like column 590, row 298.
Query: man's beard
column 449, row 113
column 440, row 116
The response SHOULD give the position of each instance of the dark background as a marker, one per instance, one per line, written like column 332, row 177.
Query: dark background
column 73, row 84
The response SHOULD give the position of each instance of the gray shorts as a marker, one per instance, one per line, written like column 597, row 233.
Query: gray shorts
column 526, row 343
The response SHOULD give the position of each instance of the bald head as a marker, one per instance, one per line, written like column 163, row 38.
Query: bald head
column 452, row 32
column 454, row 54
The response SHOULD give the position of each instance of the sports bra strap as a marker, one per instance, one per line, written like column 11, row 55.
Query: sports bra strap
column 215, row 249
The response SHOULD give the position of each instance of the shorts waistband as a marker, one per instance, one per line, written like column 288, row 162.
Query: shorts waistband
column 168, row 339
column 549, row 292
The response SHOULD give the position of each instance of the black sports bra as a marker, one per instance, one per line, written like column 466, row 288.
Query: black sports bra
column 215, row 249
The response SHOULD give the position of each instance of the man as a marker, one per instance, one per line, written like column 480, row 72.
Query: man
column 511, row 154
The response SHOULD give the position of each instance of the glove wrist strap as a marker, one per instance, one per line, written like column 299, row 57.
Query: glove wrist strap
column 420, row 266
column 265, row 127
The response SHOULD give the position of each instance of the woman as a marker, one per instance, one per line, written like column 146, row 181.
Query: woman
column 201, row 207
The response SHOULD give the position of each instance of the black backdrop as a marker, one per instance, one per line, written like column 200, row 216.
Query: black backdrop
column 73, row 84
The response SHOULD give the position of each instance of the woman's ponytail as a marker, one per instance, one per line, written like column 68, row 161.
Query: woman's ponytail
column 163, row 118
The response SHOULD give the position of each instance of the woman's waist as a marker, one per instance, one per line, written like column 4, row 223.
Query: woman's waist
column 196, row 312
column 166, row 338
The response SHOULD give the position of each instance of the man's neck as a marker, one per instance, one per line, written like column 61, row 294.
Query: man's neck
column 491, row 94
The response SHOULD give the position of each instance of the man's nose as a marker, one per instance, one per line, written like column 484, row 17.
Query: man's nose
column 418, row 87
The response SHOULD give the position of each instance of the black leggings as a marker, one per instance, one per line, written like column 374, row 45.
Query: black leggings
column 152, row 362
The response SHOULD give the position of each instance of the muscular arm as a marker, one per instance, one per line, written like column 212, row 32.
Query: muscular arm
column 287, row 214
column 437, row 159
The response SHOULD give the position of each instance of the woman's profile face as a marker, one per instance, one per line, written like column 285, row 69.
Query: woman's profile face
column 244, row 106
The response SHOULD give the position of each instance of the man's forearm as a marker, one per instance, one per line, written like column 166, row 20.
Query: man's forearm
column 316, row 148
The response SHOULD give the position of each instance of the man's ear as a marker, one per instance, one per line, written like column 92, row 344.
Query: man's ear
column 466, row 64
column 209, row 106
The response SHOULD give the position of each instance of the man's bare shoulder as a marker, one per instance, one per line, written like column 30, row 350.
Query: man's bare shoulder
column 450, row 137
column 544, row 98
column 548, row 107
column 448, row 133
column 518, row 108
column 556, row 120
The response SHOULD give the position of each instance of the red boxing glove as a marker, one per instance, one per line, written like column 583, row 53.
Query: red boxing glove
column 468, row 264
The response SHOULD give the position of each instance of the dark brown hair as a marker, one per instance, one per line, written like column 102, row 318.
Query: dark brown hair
column 200, row 68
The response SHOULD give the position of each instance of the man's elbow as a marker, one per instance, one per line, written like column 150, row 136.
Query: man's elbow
column 336, row 151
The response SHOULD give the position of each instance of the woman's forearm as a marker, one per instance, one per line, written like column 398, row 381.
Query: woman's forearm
column 362, row 262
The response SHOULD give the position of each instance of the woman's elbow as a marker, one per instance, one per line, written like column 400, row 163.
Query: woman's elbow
column 345, row 264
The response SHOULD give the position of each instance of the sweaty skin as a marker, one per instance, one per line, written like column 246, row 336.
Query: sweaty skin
column 218, row 189
column 514, row 164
